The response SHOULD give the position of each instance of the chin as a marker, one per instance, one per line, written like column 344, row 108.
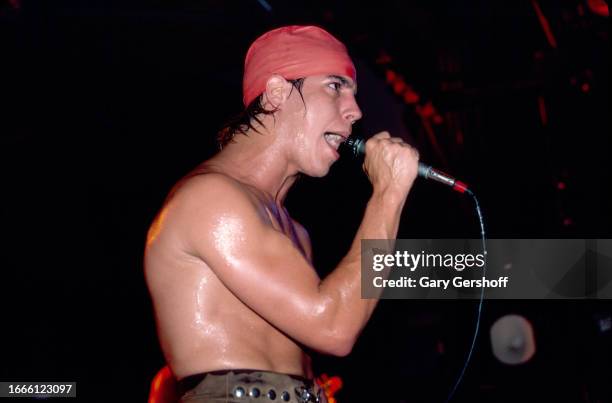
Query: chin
column 317, row 172
column 317, row 165
column 321, row 174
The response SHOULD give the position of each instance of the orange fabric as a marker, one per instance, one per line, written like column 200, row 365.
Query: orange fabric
column 293, row 52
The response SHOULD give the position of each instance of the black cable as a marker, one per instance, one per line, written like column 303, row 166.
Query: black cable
column 478, row 317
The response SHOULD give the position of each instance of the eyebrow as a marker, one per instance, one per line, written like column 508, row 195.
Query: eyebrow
column 345, row 83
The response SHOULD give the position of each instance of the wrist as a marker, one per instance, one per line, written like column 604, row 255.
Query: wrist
column 389, row 197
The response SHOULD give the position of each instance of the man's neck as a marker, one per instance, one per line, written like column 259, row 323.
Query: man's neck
column 259, row 161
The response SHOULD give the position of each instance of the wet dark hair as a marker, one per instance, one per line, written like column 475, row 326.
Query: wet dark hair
column 244, row 121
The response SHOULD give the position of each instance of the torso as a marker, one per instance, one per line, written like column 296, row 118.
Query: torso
column 202, row 326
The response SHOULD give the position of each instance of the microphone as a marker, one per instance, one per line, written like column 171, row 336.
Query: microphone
column 356, row 146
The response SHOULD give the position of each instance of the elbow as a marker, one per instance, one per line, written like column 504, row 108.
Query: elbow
column 335, row 334
column 338, row 344
column 342, row 350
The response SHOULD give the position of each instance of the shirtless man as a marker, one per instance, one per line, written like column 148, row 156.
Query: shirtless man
column 236, row 298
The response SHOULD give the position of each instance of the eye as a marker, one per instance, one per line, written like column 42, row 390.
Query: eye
column 336, row 86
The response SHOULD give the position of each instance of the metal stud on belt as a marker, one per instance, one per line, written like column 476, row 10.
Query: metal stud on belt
column 306, row 396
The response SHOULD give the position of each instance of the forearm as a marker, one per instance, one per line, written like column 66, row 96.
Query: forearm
column 347, row 311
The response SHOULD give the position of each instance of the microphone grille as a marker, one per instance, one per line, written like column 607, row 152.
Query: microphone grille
column 356, row 146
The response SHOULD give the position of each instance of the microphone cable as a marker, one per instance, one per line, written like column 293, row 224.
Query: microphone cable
column 480, row 303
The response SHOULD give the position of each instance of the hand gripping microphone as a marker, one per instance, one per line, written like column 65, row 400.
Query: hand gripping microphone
column 356, row 146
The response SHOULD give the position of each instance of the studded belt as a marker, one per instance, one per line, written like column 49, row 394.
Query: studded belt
column 249, row 386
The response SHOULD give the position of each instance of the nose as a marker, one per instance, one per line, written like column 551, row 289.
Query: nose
column 351, row 111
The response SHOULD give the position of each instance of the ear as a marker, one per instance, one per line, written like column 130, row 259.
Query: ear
column 277, row 91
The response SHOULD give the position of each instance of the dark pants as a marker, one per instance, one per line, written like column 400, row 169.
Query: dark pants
column 241, row 386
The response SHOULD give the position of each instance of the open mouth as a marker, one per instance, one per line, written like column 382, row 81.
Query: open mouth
column 334, row 139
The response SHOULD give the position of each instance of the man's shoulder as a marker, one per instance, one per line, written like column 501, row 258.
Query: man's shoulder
column 203, row 198
column 198, row 203
column 209, row 186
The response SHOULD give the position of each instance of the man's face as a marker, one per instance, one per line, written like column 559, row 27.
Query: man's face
column 318, row 125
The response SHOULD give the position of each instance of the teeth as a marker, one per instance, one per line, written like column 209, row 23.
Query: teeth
column 334, row 140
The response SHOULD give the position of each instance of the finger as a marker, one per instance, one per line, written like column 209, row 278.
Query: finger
column 381, row 135
column 415, row 153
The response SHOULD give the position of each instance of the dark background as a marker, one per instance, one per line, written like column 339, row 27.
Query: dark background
column 108, row 103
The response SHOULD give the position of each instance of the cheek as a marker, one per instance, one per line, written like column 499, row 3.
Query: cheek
column 317, row 120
